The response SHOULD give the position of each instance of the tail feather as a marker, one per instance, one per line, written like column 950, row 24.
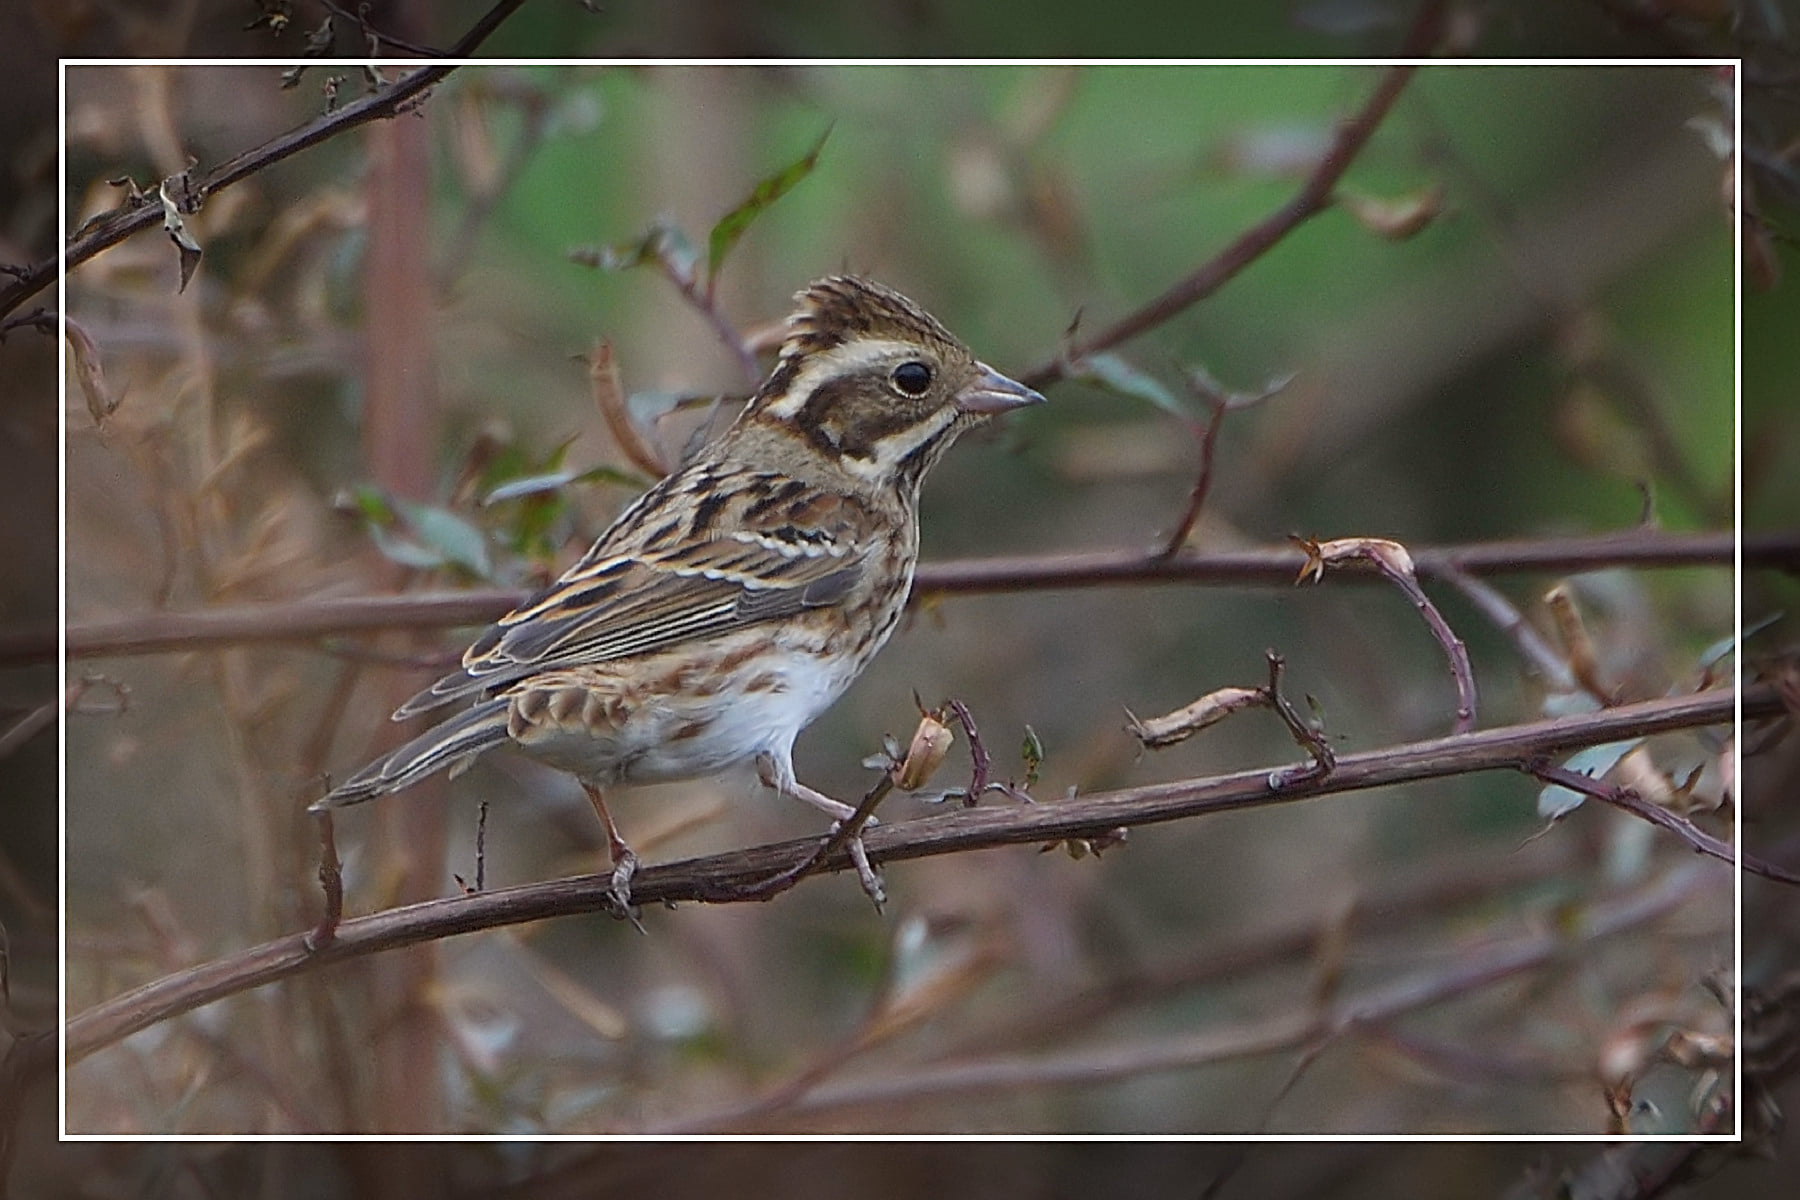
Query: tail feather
column 451, row 743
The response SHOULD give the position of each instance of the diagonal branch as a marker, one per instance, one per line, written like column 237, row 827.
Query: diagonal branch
column 1314, row 196
column 966, row 829
column 109, row 230
column 1627, row 800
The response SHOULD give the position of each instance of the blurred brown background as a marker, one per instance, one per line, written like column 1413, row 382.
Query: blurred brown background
column 1440, row 397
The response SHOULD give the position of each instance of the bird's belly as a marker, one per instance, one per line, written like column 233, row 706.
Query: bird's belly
column 685, row 724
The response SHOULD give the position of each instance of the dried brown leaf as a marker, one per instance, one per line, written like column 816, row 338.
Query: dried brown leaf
column 90, row 376
column 1156, row 732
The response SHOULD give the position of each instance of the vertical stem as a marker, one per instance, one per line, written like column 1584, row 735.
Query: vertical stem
column 399, row 423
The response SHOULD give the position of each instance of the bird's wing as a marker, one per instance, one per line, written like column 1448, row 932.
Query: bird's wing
column 753, row 547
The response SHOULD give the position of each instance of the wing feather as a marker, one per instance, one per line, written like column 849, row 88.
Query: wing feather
column 760, row 561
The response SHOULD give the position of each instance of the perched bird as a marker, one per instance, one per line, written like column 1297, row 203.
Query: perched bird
column 733, row 602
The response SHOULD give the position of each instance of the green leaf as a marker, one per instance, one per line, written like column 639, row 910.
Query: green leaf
column 1116, row 375
column 1031, row 753
column 554, row 460
column 532, row 523
column 767, row 191
column 454, row 539
column 1558, row 801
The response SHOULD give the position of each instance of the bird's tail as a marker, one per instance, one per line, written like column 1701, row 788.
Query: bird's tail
column 452, row 743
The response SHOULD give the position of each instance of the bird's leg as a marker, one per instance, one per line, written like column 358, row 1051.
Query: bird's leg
column 785, row 783
column 624, row 858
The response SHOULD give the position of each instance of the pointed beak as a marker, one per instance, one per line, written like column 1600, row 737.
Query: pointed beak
column 991, row 392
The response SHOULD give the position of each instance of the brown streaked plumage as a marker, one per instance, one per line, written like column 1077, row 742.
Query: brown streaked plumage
column 735, row 600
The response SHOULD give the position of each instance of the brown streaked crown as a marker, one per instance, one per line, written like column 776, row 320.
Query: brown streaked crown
column 833, row 310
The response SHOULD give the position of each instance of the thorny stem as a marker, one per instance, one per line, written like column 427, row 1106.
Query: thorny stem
column 1629, row 801
column 964, row 829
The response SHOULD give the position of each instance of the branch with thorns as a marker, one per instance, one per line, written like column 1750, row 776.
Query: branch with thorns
column 1090, row 816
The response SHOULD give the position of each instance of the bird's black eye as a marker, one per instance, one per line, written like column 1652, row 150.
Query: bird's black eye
column 912, row 378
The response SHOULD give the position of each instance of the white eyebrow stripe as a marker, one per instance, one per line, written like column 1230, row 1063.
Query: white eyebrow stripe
column 841, row 359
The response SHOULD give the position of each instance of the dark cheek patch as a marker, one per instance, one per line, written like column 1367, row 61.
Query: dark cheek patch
column 872, row 424
column 819, row 419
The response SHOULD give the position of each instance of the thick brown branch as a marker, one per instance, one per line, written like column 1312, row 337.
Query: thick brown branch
column 307, row 620
column 966, row 829
column 114, row 227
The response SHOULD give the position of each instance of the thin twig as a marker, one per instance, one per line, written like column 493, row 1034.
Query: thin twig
column 455, row 256
column 481, row 816
column 1470, row 970
column 1494, row 605
column 1435, row 891
column 702, row 300
column 1324, row 759
column 1209, row 439
column 375, row 38
column 609, row 397
column 1629, row 801
column 305, row 620
column 1314, row 197
column 27, row 727
column 957, row 830
column 39, row 318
